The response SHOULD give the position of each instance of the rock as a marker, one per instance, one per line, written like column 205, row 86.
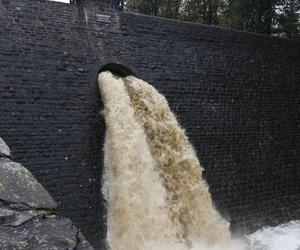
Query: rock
column 4, row 149
column 19, row 188
column 14, row 218
column 28, row 215
column 43, row 233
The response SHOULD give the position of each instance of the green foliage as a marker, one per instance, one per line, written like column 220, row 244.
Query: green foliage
column 171, row 8
column 272, row 17
column 204, row 11
column 287, row 19
column 250, row 15
column 148, row 7
column 164, row 8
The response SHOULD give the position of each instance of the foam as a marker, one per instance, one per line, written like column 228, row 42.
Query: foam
column 282, row 237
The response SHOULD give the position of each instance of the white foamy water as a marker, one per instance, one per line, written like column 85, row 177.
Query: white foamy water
column 283, row 237
column 137, row 208
column 156, row 197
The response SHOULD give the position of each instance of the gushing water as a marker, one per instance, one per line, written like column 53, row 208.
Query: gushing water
column 153, row 184
column 138, row 215
column 156, row 197
column 188, row 196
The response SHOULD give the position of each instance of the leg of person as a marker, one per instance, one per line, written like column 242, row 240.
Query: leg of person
column 121, row 5
column 113, row 4
column 118, row 2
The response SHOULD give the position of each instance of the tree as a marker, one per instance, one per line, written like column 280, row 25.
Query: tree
column 204, row 11
column 277, row 17
column 251, row 15
column 164, row 8
column 148, row 7
column 287, row 19
column 171, row 8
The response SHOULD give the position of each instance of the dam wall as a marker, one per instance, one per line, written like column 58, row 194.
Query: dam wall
column 236, row 94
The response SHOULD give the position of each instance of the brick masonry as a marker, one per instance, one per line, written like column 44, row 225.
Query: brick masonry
column 236, row 94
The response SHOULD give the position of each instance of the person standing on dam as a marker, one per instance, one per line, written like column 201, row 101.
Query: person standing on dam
column 118, row 5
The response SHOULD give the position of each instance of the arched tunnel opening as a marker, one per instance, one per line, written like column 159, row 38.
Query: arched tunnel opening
column 117, row 69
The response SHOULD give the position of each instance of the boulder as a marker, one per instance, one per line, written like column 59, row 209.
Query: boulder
column 4, row 149
column 19, row 188
column 29, row 218
column 43, row 233
column 9, row 217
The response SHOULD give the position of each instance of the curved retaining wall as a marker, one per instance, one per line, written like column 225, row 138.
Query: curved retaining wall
column 236, row 94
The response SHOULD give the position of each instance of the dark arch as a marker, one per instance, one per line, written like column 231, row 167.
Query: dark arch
column 117, row 69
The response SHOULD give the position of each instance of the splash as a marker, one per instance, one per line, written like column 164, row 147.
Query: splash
column 285, row 236
column 156, row 197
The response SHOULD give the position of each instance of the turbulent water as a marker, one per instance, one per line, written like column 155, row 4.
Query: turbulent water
column 153, row 184
column 282, row 237
column 156, row 197
column 138, row 216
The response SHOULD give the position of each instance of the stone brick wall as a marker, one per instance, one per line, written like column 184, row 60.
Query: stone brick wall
column 236, row 94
